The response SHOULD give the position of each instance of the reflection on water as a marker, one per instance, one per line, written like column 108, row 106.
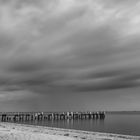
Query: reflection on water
column 113, row 123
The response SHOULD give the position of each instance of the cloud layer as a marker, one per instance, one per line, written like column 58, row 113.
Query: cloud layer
column 69, row 45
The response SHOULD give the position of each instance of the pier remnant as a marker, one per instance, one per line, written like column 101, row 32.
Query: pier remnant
column 37, row 116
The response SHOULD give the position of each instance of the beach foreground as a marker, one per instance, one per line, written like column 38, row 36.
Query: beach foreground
column 11, row 131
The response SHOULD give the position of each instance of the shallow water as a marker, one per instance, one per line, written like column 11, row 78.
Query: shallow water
column 128, row 124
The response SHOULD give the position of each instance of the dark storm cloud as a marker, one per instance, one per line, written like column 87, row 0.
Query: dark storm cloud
column 26, row 66
column 109, row 82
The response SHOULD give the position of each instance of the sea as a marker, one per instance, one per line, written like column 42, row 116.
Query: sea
column 127, row 123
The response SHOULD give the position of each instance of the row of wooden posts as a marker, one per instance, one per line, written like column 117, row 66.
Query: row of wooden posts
column 50, row 116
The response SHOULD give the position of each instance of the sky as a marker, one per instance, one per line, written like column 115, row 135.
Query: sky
column 69, row 55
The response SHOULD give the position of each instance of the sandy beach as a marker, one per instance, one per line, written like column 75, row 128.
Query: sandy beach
column 11, row 131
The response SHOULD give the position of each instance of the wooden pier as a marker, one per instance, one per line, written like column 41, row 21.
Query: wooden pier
column 41, row 116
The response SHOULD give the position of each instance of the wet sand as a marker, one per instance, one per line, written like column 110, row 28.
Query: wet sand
column 12, row 131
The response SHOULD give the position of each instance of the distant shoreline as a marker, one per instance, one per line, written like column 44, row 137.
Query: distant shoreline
column 12, row 131
column 122, row 112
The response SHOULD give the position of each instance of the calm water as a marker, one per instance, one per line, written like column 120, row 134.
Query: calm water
column 128, row 124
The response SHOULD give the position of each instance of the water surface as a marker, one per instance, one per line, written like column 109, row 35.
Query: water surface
column 118, row 123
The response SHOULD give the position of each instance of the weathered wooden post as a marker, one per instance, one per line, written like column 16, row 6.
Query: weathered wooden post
column 4, row 117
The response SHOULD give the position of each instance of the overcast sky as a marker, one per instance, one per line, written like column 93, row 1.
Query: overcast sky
column 69, row 55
